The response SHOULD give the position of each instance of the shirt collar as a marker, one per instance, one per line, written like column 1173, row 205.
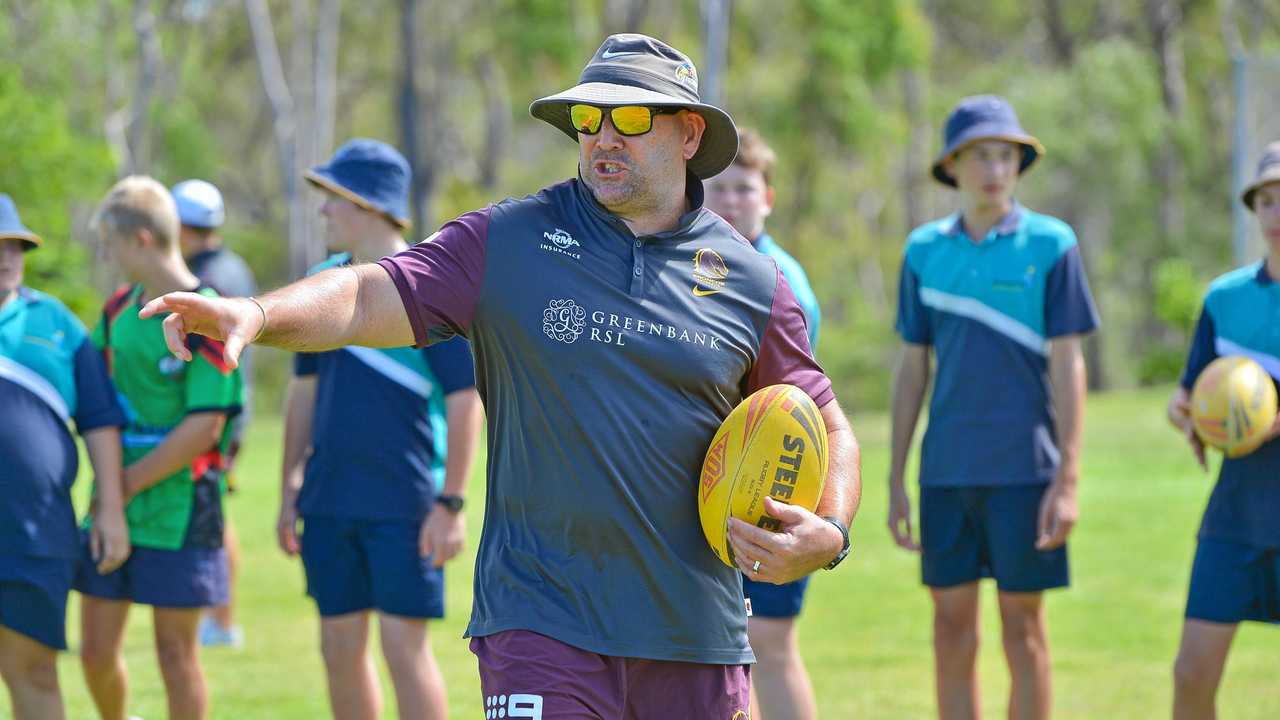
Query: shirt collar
column 954, row 225
column 762, row 240
column 24, row 298
column 1264, row 277
column 693, row 192
column 204, row 255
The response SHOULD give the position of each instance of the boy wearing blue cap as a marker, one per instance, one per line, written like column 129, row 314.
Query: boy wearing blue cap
column 201, row 212
column 378, row 448
column 50, row 374
column 1236, row 573
column 175, row 443
column 998, row 293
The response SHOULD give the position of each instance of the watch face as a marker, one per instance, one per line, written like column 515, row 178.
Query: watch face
column 451, row 502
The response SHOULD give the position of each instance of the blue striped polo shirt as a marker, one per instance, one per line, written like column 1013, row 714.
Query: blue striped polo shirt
column 1241, row 316
column 379, row 431
column 989, row 309
column 50, row 375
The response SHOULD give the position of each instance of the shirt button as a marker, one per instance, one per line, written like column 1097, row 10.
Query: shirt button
column 638, row 243
column 638, row 272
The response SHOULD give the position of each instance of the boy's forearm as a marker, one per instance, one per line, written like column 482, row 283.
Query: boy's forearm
column 910, row 381
column 299, row 410
column 195, row 435
column 465, row 415
column 1067, row 377
column 105, row 455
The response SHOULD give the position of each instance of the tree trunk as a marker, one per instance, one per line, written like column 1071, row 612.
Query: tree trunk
column 1060, row 39
column 716, row 17
column 149, row 66
column 324, row 96
column 271, row 72
column 624, row 15
column 1165, row 19
column 497, row 120
column 409, row 106
column 915, row 156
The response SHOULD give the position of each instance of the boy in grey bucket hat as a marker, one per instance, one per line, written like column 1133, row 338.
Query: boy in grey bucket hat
column 615, row 323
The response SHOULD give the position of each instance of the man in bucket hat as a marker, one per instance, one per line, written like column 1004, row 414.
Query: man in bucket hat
column 377, row 452
column 615, row 323
column 50, row 373
column 1235, row 576
column 998, row 293
column 201, row 214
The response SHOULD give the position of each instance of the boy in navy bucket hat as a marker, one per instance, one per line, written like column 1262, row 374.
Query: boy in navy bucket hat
column 607, row 362
column 997, row 292
column 50, row 373
column 1235, row 576
column 378, row 448
column 370, row 174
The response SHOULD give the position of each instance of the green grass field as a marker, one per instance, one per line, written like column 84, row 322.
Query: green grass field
column 865, row 631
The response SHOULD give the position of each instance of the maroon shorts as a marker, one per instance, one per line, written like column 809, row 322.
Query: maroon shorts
column 527, row 675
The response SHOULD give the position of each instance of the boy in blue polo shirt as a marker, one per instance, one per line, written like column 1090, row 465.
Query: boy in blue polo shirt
column 743, row 194
column 378, row 449
column 50, row 374
column 998, row 292
column 1236, row 573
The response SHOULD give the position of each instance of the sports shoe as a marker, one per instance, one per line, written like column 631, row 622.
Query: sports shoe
column 214, row 635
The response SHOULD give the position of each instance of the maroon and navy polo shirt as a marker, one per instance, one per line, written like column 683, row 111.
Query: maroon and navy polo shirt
column 606, row 362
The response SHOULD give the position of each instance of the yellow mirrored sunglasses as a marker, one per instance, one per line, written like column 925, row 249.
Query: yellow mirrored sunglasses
column 629, row 120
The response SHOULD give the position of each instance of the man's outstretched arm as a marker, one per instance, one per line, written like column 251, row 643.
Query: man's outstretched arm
column 343, row 306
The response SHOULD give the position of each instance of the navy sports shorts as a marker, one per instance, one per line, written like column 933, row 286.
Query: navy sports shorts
column 969, row 533
column 1232, row 582
column 184, row 578
column 354, row 565
column 33, row 597
column 775, row 601
column 527, row 675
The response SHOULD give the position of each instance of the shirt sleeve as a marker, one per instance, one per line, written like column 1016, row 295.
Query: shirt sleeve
column 305, row 364
column 451, row 363
column 785, row 355
column 211, row 384
column 1068, row 304
column 97, row 405
column 1203, row 349
column 913, row 317
column 440, row 278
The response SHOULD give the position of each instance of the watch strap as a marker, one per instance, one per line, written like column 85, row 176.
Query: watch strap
column 844, row 551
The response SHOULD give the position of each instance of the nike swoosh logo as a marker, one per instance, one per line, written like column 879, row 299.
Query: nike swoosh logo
column 700, row 292
column 608, row 54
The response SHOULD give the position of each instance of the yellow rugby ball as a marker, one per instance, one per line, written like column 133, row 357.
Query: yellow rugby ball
column 773, row 444
column 1233, row 404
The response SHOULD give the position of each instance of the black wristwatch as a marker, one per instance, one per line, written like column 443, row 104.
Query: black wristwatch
column 844, row 551
column 452, row 503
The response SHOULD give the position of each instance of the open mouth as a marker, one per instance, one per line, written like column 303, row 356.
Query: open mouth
column 609, row 168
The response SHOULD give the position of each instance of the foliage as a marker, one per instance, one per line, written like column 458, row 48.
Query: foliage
column 51, row 171
column 825, row 81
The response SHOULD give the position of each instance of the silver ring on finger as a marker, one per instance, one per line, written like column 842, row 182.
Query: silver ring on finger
column 755, row 567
